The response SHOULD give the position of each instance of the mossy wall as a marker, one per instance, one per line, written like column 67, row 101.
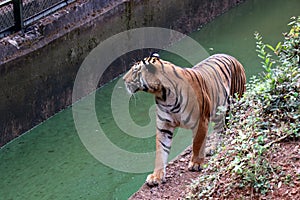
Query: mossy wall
column 36, row 80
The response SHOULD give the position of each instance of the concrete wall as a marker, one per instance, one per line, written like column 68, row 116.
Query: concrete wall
column 37, row 72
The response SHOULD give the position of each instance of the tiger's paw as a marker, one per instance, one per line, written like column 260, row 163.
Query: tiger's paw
column 194, row 167
column 155, row 179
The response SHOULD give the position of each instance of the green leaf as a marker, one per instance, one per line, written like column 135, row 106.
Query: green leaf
column 278, row 46
column 270, row 47
column 292, row 23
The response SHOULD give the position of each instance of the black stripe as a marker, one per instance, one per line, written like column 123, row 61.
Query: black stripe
column 175, row 72
column 164, row 94
column 162, row 119
column 226, row 58
column 225, row 64
column 145, row 88
column 185, row 106
column 160, row 107
column 222, row 69
column 165, row 146
column 167, row 151
column 157, row 101
column 202, row 95
column 218, row 83
column 177, row 105
column 198, row 80
column 162, row 67
column 216, row 72
column 232, row 62
column 176, row 109
column 165, row 131
column 189, row 117
column 188, row 71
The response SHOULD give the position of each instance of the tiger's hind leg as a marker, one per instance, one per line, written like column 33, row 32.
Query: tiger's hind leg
column 198, row 148
column 213, row 141
column 214, row 136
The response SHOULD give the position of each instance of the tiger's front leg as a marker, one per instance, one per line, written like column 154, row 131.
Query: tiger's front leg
column 163, row 147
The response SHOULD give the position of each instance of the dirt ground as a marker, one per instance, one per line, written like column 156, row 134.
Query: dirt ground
column 179, row 178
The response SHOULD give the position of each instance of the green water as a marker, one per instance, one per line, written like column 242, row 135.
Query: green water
column 50, row 162
column 233, row 33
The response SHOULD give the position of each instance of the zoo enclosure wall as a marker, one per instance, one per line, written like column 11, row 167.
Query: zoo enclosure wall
column 37, row 73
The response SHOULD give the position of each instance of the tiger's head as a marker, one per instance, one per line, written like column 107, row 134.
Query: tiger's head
column 143, row 76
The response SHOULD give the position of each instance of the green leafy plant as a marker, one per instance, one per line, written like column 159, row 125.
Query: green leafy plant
column 268, row 113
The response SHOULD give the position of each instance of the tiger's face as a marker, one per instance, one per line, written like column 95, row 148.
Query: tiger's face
column 143, row 76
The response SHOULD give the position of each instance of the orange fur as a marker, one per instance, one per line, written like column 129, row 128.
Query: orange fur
column 187, row 98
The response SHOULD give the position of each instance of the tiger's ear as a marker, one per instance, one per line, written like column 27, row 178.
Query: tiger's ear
column 150, row 68
column 154, row 54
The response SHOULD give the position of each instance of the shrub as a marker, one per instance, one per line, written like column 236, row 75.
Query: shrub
column 268, row 113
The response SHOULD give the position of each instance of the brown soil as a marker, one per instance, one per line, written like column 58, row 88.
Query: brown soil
column 178, row 179
column 287, row 155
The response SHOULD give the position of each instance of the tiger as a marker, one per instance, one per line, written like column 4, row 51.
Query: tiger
column 187, row 98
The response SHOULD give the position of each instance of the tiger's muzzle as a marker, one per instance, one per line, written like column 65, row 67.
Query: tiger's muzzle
column 131, row 88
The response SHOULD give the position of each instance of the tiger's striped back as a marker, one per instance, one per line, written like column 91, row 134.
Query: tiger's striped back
column 224, row 77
